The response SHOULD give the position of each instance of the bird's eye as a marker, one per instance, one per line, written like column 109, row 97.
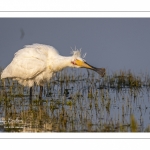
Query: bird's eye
column 73, row 62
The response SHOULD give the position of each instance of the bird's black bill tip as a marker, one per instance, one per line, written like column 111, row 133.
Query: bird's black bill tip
column 100, row 71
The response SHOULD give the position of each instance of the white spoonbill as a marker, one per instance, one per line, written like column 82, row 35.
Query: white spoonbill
column 38, row 62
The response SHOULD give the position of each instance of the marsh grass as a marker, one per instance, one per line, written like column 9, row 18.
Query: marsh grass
column 74, row 101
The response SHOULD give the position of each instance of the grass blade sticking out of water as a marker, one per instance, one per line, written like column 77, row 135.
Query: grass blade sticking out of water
column 133, row 124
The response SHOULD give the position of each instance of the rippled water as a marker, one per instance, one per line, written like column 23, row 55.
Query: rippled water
column 75, row 103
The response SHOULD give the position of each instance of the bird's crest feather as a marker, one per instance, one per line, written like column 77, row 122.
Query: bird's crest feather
column 77, row 53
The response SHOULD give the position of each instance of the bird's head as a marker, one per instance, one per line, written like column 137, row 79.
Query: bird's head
column 79, row 62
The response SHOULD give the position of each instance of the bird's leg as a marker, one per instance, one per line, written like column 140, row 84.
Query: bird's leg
column 30, row 95
column 40, row 95
column 40, row 106
column 41, row 91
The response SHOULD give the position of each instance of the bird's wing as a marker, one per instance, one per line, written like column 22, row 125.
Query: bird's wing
column 26, row 64
column 26, row 68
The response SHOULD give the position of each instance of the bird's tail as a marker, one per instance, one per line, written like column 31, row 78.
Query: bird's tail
column 101, row 71
column 5, row 74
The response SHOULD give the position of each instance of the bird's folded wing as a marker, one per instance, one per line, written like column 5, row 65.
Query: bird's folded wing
column 25, row 68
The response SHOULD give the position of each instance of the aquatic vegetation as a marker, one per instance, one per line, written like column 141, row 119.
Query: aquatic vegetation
column 78, row 102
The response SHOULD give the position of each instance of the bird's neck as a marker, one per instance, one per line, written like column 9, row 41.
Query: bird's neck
column 61, row 63
column 65, row 61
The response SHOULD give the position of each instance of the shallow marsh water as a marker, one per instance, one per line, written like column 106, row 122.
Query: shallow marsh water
column 74, row 101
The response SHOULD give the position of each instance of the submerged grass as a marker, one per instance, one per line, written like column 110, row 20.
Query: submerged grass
column 78, row 102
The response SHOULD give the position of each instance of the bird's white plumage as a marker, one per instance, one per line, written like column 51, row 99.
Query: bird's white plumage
column 36, row 64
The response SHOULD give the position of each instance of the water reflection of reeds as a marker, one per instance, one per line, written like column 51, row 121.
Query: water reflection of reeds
column 78, row 102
